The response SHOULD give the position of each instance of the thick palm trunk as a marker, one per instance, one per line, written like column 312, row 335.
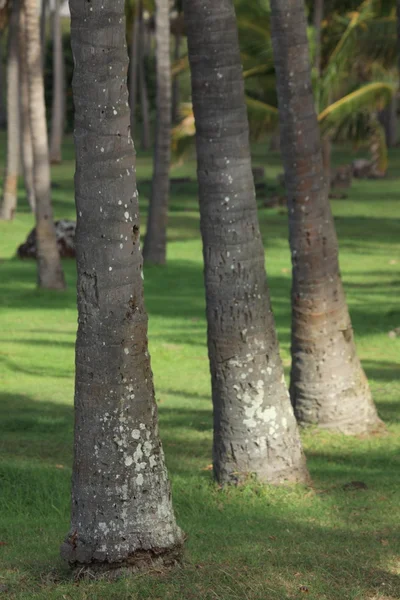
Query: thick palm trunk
column 155, row 246
column 43, row 22
column 121, row 502
column 255, row 431
column 133, row 64
column 50, row 274
column 26, row 134
column 58, row 106
column 10, row 188
column 328, row 385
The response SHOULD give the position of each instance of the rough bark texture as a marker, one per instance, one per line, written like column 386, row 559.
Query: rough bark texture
column 155, row 245
column 255, row 431
column 133, row 64
column 121, row 501
column 9, row 202
column 26, row 135
column 328, row 385
column 50, row 274
column 58, row 106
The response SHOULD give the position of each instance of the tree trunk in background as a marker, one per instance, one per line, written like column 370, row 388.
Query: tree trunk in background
column 3, row 113
column 255, row 431
column 133, row 64
column 155, row 245
column 50, row 274
column 10, row 187
column 121, row 501
column 144, row 100
column 26, row 134
column 175, row 81
column 326, row 147
column 328, row 384
column 388, row 118
column 59, row 102
column 43, row 23
column 317, row 18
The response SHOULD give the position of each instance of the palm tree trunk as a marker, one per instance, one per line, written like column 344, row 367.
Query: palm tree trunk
column 317, row 17
column 50, row 274
column 144, row 99
column 26, row 134
column 155, row 245
column 328, row 384
column 175, row 82
column 58, row 106
column 121, row 501
column 326, row 147
column 43, row 22
column 388, row 118
column 9, row 202
column 133, row 64
column 3, row 114
column 255, row 431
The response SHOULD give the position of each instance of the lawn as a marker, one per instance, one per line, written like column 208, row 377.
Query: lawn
column 251, row 543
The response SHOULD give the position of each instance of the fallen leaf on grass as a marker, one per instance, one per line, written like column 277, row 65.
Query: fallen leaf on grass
column 384, row 542
column 3, row 543
column 207, row 468
column 60, row 467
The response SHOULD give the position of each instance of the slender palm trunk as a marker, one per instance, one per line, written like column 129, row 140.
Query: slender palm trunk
column 388, row 118
column 328, row 384
column 121, row 502
column 43, row 22
column 175, row 82
column 255, row 431
column 144, row 99
column 58, row 106
column 326, row 147
column 26, row 134
column 133, row 64
column 10, row 188
column 155, row 246
column 317, row 17
column 50, row 274
column 3, row 114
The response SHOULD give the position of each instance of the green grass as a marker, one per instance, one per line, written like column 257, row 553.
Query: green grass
column 250, row 543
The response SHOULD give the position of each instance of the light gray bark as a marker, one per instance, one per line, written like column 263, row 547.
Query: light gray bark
column 3, row 114
column 50, row 273
column 43, row 24
column 175, row 82
column 328, row 384
column 58, row 106
column 255, row 432
column 155, row 245
column 10, row 186
column 122, row 512
column 26, row 134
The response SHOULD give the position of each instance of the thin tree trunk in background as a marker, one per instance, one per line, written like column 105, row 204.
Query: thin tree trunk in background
column 317, row 18
column 26, row 134
column 133, row 64
column 328, row 384
column 10, row 187
column 43, row 23
column 155, row 245
column 388, row 118
column 255, row 431
column 58, row 105
column 144, row 99
column 50, row 273
column 3, row 111
column 326, row 146
column 122, row 512
column 175, row 81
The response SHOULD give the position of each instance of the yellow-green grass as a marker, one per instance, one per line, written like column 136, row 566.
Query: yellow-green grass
column 251, row 543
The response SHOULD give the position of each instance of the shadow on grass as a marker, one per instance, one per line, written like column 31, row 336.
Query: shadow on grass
column 245, row 543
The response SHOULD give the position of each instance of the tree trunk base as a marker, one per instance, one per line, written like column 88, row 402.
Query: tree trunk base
column 142, row 560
